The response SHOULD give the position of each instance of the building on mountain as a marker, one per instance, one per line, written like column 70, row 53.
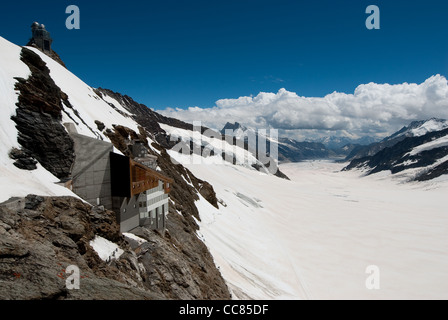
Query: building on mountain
column 132, row 188
column 41, row 37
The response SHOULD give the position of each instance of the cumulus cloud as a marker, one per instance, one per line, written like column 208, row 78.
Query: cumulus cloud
column 373, row 109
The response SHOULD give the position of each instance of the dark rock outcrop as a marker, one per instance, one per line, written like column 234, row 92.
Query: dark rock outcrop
column 100, row 125
column 23, row 160
column 38, row 119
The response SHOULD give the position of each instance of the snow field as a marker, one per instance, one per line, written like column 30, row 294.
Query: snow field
column 313, row 237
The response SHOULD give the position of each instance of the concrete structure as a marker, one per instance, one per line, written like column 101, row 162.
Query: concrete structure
column 41, row 37
column 134, row 190
column 91, row 175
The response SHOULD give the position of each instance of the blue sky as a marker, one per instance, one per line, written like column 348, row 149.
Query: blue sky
column 193, row 53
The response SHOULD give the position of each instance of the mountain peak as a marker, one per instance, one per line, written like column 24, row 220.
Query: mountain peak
column 235, row 126
column 420, row 128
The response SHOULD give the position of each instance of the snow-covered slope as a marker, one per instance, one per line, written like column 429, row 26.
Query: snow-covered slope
column 313, row 237
column 213, row 146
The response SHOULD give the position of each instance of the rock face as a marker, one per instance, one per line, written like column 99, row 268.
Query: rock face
column 179, row 267
column 38, row 120
column 23, row 160
column 39, row 240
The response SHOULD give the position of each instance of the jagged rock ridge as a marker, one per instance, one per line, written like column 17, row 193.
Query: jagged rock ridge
column 38, row 118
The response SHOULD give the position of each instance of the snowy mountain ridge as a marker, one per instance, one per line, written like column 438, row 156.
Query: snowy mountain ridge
column 420, row 128
column 417, row 152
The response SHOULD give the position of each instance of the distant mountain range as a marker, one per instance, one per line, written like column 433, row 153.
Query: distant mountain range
column 414, row 129
column 290, row 150
column 420, row 148
column 341, row 143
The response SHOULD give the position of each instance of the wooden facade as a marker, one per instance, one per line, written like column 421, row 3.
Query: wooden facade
column 144, row 178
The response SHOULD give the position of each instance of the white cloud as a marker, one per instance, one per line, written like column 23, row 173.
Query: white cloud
column 373, row 109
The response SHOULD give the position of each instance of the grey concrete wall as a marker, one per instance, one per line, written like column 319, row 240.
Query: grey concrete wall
column 129, row 214
column 91, row 170
column 94, row 183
